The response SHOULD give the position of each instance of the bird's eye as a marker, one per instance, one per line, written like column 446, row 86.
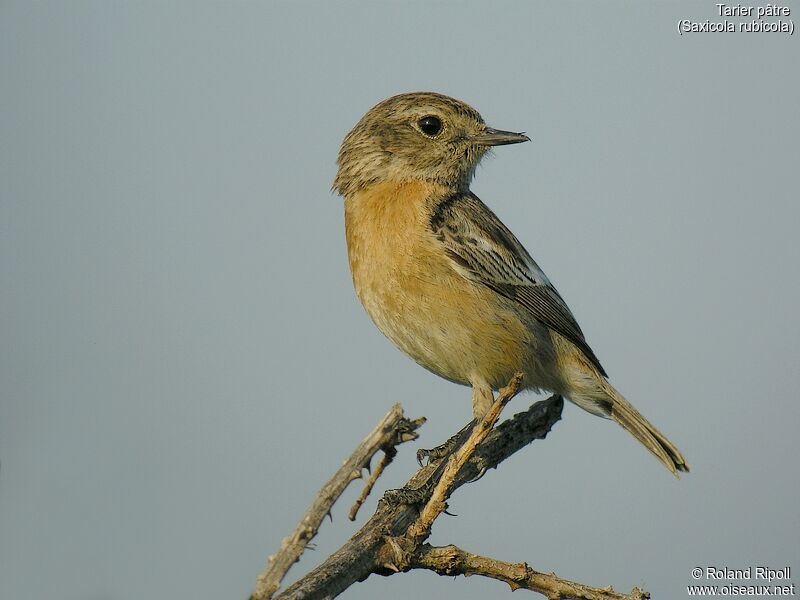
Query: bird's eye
column 430, row 125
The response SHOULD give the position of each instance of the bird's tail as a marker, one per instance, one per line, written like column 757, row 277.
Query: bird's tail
column 614, row 406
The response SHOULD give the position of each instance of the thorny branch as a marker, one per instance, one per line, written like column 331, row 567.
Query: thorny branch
column 437, row 503
column 392, row 430
column 451, row 560
column 393, row 539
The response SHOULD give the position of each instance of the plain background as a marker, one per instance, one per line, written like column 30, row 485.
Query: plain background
column 183, row 360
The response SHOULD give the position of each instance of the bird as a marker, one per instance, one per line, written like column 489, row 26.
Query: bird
column 445, row 280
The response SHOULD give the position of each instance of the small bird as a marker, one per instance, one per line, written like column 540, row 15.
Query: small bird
column 445, row 280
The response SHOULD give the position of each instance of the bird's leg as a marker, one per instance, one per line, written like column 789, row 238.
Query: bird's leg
column 440, row 453
column 482, row 400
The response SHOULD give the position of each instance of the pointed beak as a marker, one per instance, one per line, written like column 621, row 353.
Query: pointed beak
column 496, row 137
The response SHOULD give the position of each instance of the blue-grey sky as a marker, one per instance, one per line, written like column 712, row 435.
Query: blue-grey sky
column 183, row 360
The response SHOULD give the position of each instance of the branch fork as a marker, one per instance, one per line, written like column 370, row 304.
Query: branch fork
column 393, row 540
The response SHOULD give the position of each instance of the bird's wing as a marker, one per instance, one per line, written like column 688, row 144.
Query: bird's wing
column 486, row 252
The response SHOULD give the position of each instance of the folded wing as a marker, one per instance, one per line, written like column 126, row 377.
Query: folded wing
column 485, row 251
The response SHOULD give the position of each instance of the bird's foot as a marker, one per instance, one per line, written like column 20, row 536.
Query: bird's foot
column 408, row 496
column 446, row 449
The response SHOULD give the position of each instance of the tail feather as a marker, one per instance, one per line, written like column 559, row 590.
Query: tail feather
column 651, row 438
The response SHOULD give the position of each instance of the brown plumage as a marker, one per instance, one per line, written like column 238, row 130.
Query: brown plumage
column 445, row 280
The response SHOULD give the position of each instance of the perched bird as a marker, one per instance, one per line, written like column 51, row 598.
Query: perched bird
column 445, row 280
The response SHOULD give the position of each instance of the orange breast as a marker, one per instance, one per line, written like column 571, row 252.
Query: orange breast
column 458, row 329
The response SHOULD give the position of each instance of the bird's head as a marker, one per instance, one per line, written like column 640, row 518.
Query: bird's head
column 419, row 136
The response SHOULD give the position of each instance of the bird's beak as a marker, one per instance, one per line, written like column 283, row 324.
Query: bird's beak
column 496, row 137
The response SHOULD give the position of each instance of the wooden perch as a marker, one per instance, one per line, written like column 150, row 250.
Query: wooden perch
column 392, row 430
column 451, row 560
column 437, row 503
column 393, row 539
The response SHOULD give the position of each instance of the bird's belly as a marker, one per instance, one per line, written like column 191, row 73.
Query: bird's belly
column 450, row 326
column 460, row 330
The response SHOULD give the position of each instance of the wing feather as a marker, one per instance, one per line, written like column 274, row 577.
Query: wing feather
column 487, row 252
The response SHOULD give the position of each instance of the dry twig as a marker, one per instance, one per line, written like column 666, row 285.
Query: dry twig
column 437, row 504
column 392, row 430
column 387, row 457
column 451, row 560
column 380, row 547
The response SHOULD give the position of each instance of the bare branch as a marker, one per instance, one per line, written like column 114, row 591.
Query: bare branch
column 451, row 560
column 387, row 457
column 392, row 430
column 437, row 503
column 369, row 551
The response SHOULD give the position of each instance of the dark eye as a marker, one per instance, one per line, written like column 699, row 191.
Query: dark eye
column 430, row 125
